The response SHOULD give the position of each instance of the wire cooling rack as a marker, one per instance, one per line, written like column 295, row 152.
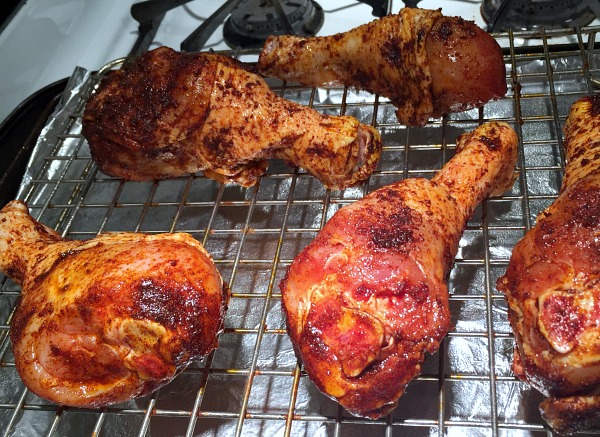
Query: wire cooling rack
column 252, row 384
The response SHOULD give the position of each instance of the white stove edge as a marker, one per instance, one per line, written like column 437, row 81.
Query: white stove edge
column 47, row 39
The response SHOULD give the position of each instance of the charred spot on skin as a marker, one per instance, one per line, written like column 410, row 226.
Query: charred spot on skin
column 492, row 143
column 362, row 78
column 160, row 302
column 586, row 212
column 250, row 85
column 398, row 240
column 274, row 122
column 391, row 51
column 79, row 365
column 363, row 292
column 224, row 132
column 594, row 105
column 321, row 151
column 468, row 27
column 386, row 195
column 16, row 270
column 396, row 233
column 41, row 229
column 61, row 257
column 74, row 356
column 371, row 140
column 443, row 31
column 448, row 257
column 336, row 38
column 183, row 307
column 214, row 144
column 226, row 294
column 21, row 319
column 291, row 139
column 46, row 311
column 312, row 336
column 577, row 151
column 56, row 351
column 294, row 109
column 91, row 300
column 232, row 90
column 299, row 44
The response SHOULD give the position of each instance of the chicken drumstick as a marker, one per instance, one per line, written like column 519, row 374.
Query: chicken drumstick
column 425, row 63
column 552, row 285
column 108, row 319
column 367, row 298
column 168, row 114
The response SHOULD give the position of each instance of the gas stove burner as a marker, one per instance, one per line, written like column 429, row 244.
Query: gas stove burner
column 253, row 21
column 501, row 15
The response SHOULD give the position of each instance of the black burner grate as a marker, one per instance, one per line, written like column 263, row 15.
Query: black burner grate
column 253, row 21
column 502, row 15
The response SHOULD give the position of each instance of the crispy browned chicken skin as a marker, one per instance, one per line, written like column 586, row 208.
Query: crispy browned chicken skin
column 368, row 297
column 426, row 64
column 108, row 319
column 169, row 114
column 552, row 285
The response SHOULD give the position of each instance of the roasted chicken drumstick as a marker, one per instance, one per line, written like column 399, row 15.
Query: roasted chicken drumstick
column 552, row 285
column 368, row 297
column 168, row 114
column 108, row 319
column 425, row 63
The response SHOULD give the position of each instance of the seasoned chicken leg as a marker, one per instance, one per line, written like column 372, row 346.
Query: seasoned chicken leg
column 368, row 297
column 168, row 114
column 552, row 285
column 105, row 320
column 425, row 63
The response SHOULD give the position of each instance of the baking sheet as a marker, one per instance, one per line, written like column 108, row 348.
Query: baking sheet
column 252, row 385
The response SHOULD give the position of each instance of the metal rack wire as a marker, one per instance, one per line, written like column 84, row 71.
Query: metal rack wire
column 252, row 384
